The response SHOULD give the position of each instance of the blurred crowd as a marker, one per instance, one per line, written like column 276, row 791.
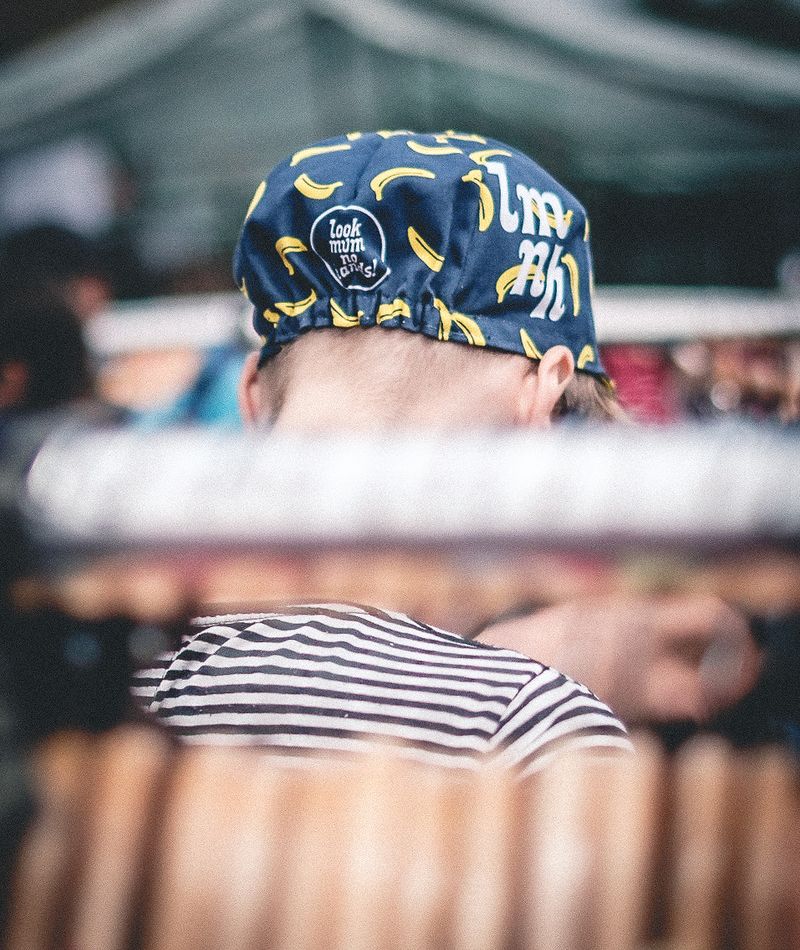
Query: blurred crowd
column 756, row 378
column 67, row 256
column 55, row 281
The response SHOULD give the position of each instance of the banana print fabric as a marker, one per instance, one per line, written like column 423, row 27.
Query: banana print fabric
column 453, row 235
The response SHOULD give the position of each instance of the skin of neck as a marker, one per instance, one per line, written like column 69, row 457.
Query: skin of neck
column 379, row 380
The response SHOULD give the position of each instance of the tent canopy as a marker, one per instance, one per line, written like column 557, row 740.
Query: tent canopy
column 202, row 97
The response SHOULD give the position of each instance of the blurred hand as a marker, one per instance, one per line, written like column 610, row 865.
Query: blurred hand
column 652, row 659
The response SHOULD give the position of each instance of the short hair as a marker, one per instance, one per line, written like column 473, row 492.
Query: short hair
column 417, row 358
column 590, row 398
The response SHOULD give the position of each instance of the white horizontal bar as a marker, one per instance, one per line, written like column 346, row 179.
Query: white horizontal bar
column 569, row 485
column 675, row 314
column 622, row 315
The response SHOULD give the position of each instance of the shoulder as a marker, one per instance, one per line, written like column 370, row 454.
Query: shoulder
column 367, row 620
column 552, row 713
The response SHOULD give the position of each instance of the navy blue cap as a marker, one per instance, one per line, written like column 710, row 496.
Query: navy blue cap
column 452, row 235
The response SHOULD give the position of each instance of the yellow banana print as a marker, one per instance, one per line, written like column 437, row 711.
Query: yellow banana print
column 572, row 267
column 354, row 136
column 255, row 199
column 586, row 231
column 388, row 311
column 469, row 328
column 271, row 317
column 317, row 150
column 243, row 289
column 386, row 134
column 381, row 180
column 506, row 280
column 481, row 157
column 486, row 213
column 445, row 325
column 585, row 356
column 466, row 324
column 315, row 189
column 295, row 309
column 342, row 319
column 531, row 350
column 459, row 136
column 289, row 245
column 434, row 149
column 424, row 251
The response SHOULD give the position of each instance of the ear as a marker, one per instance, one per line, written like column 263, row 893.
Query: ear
column 251, row 398
column 544, row 386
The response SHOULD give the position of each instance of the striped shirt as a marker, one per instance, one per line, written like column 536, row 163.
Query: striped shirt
column 334, row 677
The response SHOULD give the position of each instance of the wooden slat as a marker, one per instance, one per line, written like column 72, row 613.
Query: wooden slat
column 701, row 829
column 140, row 843
column 768, row 862
column 628, row 809
column 46, row 864
column 125, row 789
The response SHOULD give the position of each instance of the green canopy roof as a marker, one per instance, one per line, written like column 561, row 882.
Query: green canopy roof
column 203, row 96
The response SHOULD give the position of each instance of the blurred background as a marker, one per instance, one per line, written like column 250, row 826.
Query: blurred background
column 132, row 136
column 143, row 127
column 676, row 121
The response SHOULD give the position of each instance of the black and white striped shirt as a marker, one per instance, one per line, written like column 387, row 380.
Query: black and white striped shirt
column 335, row 677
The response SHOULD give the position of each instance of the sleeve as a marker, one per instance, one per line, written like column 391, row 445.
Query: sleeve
column 174, row 674
column 550, row 714
column 145, row 682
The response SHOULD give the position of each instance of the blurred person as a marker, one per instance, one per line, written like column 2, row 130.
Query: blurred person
column 446, row 280
column 388, row 249
column 203, row 383
column 44, row 363
column 55, row 268
column 756, row 378
column 644, row 380
column 84, row 186
column 51, row 265
column 46, row 370
column 753, row 378
column 183, row 386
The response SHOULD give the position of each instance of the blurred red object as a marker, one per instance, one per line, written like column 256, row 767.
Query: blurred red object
column 645, row 381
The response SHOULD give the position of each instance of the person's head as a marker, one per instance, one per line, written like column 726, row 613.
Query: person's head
column 44, row 362
column 51, row 266
column 451, row 276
